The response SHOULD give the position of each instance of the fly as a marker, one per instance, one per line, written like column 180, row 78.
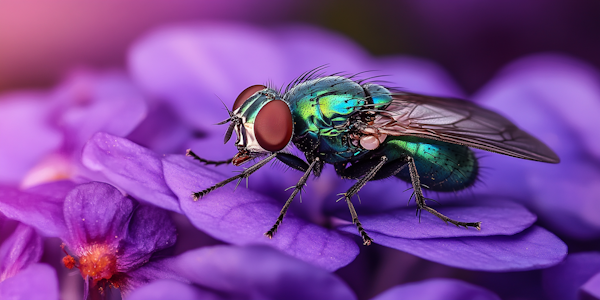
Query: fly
column 369, row 132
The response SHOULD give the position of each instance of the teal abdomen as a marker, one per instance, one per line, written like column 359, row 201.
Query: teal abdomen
column 441, row 166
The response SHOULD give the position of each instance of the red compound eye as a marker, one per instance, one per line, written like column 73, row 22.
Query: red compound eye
column 273, row 126
column 244, row 95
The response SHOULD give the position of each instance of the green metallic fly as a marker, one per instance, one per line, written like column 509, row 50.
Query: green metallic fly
column 368, row 132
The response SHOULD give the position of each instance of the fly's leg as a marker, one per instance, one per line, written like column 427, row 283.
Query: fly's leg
column 245, row 174
column 297, row 188
column 191, row 153
column 420, row 199
column 353, row 190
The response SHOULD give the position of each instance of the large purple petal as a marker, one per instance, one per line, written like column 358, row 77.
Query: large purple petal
column 130, row 167
column 171, row 289
column 37, row 282
column 150, row 230
column 418, row 76
column 21, row 249
column 192, row 65
column 565, row 280
column 547, row 81
column 89, row 102
column 25, row 134
column 438, row 289
column 534, row 248
column 149, row 272
column 242, row 217
column 40, row 207
column 259, row 272
column 308, row 47
column 498, row 218
column 96, row 212
column 532, row 92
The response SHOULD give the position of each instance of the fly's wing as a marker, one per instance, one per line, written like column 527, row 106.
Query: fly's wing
column 458, row 122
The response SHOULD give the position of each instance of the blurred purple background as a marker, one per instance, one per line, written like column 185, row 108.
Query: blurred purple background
column 40, row 41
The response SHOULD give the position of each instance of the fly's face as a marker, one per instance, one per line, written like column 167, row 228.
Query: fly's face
column 262, row 122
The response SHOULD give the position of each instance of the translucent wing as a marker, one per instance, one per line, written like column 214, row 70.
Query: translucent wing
column 458, row 122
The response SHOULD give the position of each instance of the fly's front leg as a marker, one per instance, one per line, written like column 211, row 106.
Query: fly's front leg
column 420, row 199
column 353, row 190
column 191, row 153
column 245, row 174
column 297, row 188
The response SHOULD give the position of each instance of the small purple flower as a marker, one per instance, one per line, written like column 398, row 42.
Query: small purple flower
column 111, row 238
column 21, row 276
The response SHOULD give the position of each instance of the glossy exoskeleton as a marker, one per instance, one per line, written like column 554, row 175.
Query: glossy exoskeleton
column 368, row 132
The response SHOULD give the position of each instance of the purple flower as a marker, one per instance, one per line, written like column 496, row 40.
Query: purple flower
column 42, row 132
column 21, row 276
column 110, row 238
column 187, row 66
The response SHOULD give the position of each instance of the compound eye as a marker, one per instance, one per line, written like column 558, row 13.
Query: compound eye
column 244, row 95
column 273, row 126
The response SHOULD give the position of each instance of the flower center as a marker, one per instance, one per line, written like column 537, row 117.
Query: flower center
column 98, row 261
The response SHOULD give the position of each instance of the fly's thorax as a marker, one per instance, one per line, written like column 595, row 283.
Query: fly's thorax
column 264, row 123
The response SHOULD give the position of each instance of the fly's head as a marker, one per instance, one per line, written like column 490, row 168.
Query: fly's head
column 262, row 122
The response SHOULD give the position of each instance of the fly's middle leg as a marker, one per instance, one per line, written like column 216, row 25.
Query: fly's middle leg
column 420, row 199
column 353, row 190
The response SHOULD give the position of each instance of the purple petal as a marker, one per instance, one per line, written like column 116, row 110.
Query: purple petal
column 534, row 248
column 40, row 207
column 171, row 289
column 21, row 249
column 259, row 272
column 591, row 289
column 308, row 47
column 96, row 212
column 498, row 218
column 90, row 102
column 242, row 217
column 418, row 76
column 545, row 81
column 150, row 230
column 149, row 272
column 38, row 282
column 191, row 64
column 564, row 280
column 7, row 227
column 438, row 289
column 130, row 167
column 25, row 133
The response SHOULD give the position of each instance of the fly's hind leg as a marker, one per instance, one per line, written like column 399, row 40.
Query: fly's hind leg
column 420, row 199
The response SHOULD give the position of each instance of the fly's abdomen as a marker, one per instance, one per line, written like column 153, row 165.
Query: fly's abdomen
column 441, row 166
